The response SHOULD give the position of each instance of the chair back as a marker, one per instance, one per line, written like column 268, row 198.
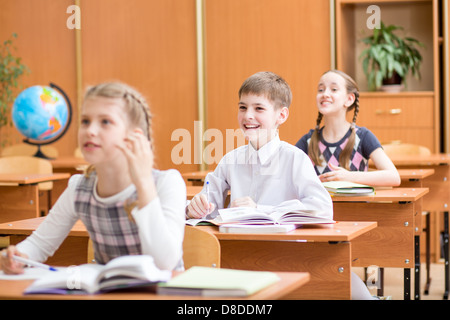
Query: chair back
column 27, row 164
column 200, row 248
column 405, row 149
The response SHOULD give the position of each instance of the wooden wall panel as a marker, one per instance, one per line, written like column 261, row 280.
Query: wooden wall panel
column 288, row 37
column 47, row 47
column 150, row 45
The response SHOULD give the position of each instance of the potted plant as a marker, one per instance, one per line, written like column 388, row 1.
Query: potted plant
column 11, row 69
column 389, row 57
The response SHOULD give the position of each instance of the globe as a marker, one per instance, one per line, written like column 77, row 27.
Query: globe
column 42, row 114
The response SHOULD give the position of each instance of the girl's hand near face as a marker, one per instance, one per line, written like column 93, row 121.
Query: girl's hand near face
column 139, row 155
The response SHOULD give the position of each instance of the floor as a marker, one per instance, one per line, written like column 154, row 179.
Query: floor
column 393, row 282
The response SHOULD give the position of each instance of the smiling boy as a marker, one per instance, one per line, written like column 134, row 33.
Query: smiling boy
column 266, row 171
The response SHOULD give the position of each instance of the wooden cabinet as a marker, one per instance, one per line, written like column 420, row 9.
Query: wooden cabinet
column 406, row 116
column 411, row 116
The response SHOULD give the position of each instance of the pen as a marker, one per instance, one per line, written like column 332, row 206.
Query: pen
column 32, row 263
column 207, row 193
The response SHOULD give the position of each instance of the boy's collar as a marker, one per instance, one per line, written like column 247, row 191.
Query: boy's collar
column 266, row 151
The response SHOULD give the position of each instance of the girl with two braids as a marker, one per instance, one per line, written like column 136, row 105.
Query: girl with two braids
column 340, row 150
column 127, row 206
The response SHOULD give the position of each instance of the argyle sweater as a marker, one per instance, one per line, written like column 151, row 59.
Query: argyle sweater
column 365, row 144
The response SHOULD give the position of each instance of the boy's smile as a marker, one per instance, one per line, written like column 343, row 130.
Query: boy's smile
column 259, row 118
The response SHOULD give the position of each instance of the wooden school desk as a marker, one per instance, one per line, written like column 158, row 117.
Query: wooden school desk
column 438, row 200
column 289, row 281
column 73, row 251
column 19, row 194
column 325, row 252
column 393, row 242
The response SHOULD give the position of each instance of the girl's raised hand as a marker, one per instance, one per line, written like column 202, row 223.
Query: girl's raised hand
column 139, row 155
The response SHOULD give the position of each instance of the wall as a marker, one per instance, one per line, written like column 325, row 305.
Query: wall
column 151, row 45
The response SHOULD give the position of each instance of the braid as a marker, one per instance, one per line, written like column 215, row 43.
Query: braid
column 346, row 154
column 128, row 95
column 356, row 106
column 314, row 152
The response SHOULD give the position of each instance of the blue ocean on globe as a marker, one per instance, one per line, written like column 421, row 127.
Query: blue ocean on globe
column 40, row 113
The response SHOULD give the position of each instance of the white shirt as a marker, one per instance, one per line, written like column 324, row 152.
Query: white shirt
column 161, row 222
column 276, row 172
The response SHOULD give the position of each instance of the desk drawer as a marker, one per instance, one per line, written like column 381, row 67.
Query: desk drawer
column 396, row 111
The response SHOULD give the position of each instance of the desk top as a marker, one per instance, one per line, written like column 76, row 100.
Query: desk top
column 27, row 178
column 196, row 175
column 392, row 195
column 27, row 226
column 432, row 159
column 340, row 231
column 415, row 174
column 68, row 162
column 289, row 281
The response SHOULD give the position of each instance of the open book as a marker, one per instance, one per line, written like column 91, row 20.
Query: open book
column 119, row 273
column 205, row 281
column 288, row 212
column 346, row 188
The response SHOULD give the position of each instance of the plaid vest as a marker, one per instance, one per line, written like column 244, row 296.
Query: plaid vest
column 112, row 232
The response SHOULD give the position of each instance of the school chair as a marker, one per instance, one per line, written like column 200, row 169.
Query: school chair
column 200, row 248
column 23, row 149
column 90, row 252
column 29, row 164
column 398, row 148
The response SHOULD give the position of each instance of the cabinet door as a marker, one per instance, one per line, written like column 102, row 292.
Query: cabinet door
column 397, row 111
column 408, row 118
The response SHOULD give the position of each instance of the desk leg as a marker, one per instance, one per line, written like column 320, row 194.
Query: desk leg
column 417, row 267
column 407, row 284
column 428, row 259
column 446, row 254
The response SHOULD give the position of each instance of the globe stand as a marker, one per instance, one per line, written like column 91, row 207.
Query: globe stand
column 40, row 154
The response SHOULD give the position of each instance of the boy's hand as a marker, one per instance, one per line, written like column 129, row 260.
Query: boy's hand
column 199, row 207
column 8, row 265
column 243, row 202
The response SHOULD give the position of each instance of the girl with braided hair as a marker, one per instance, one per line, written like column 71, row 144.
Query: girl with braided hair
column 340, row 150
column 127, row 206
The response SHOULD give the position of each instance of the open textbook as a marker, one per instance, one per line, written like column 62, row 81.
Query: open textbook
column 209, row 282
column 121, row 272
column 346, row 188
column 287, row 213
